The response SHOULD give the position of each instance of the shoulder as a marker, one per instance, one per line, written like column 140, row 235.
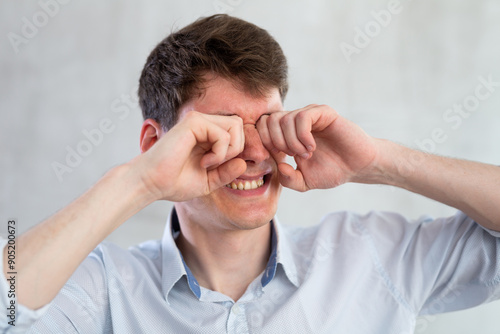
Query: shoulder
column 108, row 251
column 349, row 231
column 355, row 222
column 109, row 259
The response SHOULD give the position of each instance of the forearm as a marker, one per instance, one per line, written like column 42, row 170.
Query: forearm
column 50, row 252
column 471, row 187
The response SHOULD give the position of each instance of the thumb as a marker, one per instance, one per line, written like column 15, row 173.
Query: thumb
column 225, row 173
column 291, row 178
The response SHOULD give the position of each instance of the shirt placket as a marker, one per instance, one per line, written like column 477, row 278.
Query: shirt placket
column 237, row 320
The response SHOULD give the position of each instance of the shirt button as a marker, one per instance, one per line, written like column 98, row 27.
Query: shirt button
column 236, row 309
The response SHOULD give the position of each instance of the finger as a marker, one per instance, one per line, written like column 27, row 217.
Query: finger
column 219, row 140
column 225, row 173
column 278, row 156
column 234, row 126
column 304, row 123
column 237, row 138
column 276, row 133
column 291, row 178
column 288, row 126
column 265, row 137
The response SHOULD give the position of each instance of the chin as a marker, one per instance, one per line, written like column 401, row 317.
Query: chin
column 249, row 212
column 226, row 215
column 230, row 209
column 253, row 221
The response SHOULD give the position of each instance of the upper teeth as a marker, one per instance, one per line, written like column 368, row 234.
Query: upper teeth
column 246, row 185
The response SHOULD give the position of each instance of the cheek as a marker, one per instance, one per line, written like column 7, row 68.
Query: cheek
column 196, row 205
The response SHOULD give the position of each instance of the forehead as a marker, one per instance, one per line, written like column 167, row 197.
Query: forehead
column 223, row 97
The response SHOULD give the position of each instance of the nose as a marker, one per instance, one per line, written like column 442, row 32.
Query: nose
column 254, row 151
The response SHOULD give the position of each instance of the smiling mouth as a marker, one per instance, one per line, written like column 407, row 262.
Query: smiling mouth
column 246, row 184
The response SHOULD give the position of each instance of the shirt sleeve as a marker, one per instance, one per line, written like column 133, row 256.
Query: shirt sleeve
column 438, row 265
column 82, row 305
column 23, row 317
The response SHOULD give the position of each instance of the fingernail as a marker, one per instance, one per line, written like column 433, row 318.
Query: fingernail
column 305, row 155
column 310, row 148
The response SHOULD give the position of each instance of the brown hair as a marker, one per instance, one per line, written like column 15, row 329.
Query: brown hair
column 227, row 46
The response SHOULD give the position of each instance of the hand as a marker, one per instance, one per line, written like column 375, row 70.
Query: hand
column 328, row 149
column 194, row 158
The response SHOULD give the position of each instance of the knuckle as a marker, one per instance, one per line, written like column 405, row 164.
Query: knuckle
column 313, row 105
column 326, row 108
column 237, row 120
column 278, row 143
column 273, row 118
column 193, row 118
column 191, row 114
column 286, row 120
column 301, row 115
column 225, row 136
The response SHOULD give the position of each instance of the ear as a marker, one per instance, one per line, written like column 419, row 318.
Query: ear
column 151, row 131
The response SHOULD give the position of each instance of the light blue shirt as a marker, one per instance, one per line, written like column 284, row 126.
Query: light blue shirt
column 350, row 274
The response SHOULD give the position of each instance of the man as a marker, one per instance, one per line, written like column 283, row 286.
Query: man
column 214, row 141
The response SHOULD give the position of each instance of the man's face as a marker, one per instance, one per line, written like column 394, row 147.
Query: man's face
column 254, row 205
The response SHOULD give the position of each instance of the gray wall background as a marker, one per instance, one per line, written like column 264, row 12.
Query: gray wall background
column 79, row 64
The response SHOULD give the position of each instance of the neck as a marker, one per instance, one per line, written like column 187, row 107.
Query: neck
column 226, row 261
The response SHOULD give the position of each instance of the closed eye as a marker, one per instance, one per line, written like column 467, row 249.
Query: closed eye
column 222, row 113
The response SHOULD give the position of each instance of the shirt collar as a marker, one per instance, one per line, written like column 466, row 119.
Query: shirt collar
column 174, row 267
column 284, row 255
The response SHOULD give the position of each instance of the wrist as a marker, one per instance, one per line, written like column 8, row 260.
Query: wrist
column 128, row 180
column 384, row 167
